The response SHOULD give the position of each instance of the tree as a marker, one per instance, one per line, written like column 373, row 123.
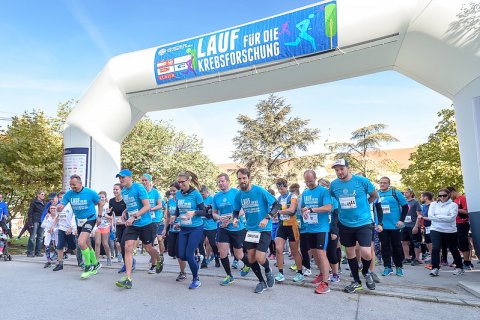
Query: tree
column 269, row 145
column 364, row 142
column 436, row 163
column 30, row 160
column 157, row 148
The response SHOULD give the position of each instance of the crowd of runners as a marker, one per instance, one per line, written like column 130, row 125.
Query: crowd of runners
column 346, row 219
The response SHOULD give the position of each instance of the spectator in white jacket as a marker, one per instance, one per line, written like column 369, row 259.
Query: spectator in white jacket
column 442, row 214
column 50, row 225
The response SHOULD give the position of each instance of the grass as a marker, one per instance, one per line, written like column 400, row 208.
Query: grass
column 18, row 246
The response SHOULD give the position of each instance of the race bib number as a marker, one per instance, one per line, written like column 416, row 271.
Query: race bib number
column 253, row 236
column 385, row 208
column 184, row 221
column 81, row 222
column 62, row 216
column 284, row 217
column 427, row 230
column 348, row 203
column 408, row 219
column 312, row 218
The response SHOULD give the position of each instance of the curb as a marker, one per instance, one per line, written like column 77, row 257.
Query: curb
column 453, row 301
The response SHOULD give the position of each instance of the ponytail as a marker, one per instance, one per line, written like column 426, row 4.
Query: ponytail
column 192, row 176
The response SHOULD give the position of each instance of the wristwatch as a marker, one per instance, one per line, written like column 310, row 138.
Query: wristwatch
column 311, row 210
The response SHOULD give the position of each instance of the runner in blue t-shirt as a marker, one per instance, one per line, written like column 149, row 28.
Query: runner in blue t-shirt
column 316, row 208
column 138, row 224
column 259, row 207
column 190, row 209
column 210, row 227
column 156, row 213
column 174, row 230
column 83, row 201
column 354, row 194
column 395, row 209
column 228, row 233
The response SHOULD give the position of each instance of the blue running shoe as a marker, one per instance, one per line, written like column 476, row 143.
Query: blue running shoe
column 387, row 271
column 244, row 271
column 235, row 264
column 399, row 271
column 195, row 284
column 122, row 269
column 227, row 280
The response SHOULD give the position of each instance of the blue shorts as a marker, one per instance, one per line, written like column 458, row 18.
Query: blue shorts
column 160, row 229
column 274, row 230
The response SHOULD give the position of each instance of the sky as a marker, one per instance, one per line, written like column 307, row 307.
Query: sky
column 52, row 50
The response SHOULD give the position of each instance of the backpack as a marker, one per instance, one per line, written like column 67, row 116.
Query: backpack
column 394, row 194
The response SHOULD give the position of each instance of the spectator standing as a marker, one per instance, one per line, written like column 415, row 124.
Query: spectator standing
column 34, row 215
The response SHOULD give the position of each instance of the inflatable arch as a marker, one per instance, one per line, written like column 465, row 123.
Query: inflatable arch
column 434, row 42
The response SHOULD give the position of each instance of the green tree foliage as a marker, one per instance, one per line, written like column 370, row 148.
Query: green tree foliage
column 269, row 144
column 364, row 142
column 30, row 160
column 157, row 148
column 436, row 163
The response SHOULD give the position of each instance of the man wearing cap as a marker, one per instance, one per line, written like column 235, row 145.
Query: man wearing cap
column 354, row 194
column 138, row 224
column 83, row 201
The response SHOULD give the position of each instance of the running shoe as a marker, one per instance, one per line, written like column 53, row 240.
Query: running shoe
column 195, row 284
column 159, row 264
column 182, row 276
column 399, row 272
column 458, row 272
column 299, row 277
column 122, row 269
column 334, row 278
column 468, row 266
column 307, row 272
column 134, row 264
column 407, row 261
column 375, row 278
column 119, row 258
column 151, row 270
column 96, row 267
column 293, row 267
column 58, row 267
column 204, row 264
column 428, row 266
column 369, row 281
column 318, row 278
column 416, row 262
column 280, row 277
column 227, row 280
column 435, row 272
column 261, row 286
column 124, row 282
column 322, row 288
column 353, row 287
column 270, row 279
column 387, row 271
column 87, row 272
column 47, row 264
column 217, row 262
column 244, row 271
column 235, row 264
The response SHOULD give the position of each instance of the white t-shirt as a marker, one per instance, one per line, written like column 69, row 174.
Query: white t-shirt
column 66, row 218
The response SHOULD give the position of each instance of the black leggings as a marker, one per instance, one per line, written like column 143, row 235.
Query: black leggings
column 391, row 243
column 451, row 240
column 332, row 250
column 304, row 250
column 119, row 237
column 173, row 244
column 211, row 235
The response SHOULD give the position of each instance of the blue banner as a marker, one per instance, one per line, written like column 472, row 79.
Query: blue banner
column 309, row 30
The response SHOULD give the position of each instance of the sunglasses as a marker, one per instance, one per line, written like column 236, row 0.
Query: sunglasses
column 443, row 195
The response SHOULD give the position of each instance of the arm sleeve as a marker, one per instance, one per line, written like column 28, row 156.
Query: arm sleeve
column 334, row 222
column 177, row 211
column 404, row 213
column 275, row 208
column 378, row 207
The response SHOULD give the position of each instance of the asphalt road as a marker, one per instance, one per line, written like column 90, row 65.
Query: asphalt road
column 31, row 292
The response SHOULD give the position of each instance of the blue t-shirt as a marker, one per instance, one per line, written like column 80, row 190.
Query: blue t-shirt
column 223, row 203
column 209, row 224
column 302, row 226
column 153, row 197
column 256, row 204
column 315, row 198
column 133, row 197
column 391, row 208
column 172, row 207
column 189, row 202
column 354, row 209
column 83, row 203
